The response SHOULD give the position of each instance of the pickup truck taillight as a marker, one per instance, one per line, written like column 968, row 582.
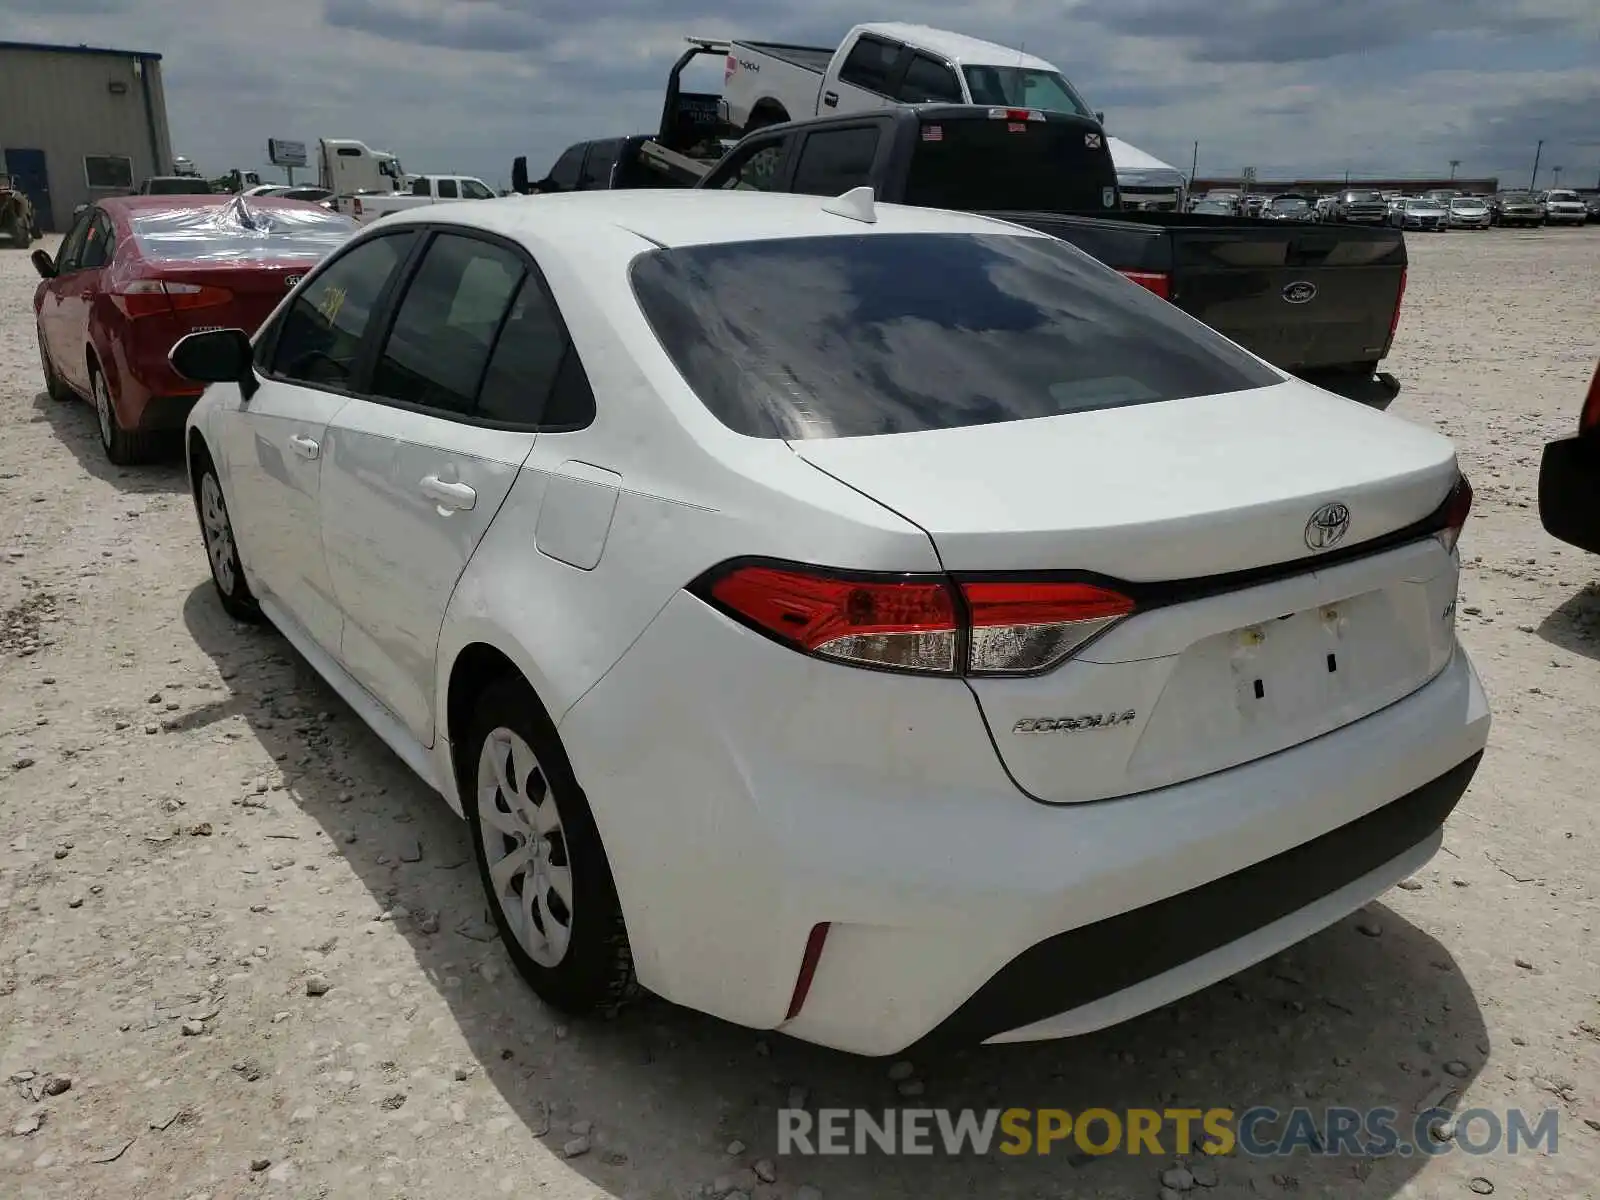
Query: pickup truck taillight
column 1589, row 422
column 729, row 68
column 1394, row 319
column 1158, row 282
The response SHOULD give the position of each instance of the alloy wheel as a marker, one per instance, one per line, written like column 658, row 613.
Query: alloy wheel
column 525, row 847
column 102, row 408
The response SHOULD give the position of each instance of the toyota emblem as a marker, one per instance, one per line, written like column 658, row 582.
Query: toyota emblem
column 1327, row 526
column 1301, row 291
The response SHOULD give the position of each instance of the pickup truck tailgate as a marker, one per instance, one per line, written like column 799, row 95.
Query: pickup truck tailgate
column 1302, row 297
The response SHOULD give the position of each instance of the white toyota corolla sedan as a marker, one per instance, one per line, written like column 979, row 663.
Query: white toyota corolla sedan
column 871, row 623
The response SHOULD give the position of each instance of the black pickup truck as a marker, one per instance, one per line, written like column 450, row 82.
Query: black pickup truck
column 1320, row 301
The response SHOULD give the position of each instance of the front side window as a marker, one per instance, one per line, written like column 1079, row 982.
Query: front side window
column 564, row 175
column 321, row 333
column 870, row 64
column 855, row 335
column 445, row 326
column 833, row 161
column 71, row 254
column 1025, row 87
column 597, row 164
column 473, row 190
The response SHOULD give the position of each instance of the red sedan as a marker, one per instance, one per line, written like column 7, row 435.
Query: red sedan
column 136, row 273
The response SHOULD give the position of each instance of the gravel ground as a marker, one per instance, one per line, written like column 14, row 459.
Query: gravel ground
column 196, row 835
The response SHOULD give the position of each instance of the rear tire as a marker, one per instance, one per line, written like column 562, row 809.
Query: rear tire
column 125, row 448
column 543, row 868
column 222, row 551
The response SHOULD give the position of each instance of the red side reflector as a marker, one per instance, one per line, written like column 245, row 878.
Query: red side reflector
column 1154, row 281
column 1455, row 513
column 1589, row 422
column 808, row 969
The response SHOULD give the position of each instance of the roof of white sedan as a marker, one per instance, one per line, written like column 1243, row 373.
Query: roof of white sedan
column 957, row 47
column 692, row 218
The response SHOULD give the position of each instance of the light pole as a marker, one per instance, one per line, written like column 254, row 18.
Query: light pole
column 1537, row 150
column 1556, row 171
column 1454, row 163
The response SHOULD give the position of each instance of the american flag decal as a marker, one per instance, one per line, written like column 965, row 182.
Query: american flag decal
column 933, row 133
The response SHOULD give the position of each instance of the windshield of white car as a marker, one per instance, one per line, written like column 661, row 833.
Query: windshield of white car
column 1024, row 87
column 850, row 336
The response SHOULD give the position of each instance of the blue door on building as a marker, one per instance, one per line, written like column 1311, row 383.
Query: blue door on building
column 27, row 172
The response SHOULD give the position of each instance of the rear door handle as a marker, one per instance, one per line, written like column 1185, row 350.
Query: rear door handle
column 830, row 99
column 305, row 447
column 448, row 495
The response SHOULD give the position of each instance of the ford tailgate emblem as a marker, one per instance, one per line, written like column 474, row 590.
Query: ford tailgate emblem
column 290, row 280
column 1301, row 291
column 1327, row 527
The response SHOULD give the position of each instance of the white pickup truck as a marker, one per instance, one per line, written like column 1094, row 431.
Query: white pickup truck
column 425, row 189
column 883, row 63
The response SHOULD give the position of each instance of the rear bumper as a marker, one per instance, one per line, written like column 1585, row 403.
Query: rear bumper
column 1378, row 390
column 1569, row 492
column 746, row 794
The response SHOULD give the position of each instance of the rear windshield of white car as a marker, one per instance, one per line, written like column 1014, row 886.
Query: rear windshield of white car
column 239, row 231
column 896, row 333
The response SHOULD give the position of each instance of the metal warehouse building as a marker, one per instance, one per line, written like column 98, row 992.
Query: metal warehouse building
column 78, row 123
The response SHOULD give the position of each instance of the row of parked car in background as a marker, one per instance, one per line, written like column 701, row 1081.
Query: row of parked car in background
column 1440, row 208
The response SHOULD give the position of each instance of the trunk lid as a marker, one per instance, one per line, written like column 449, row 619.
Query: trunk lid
column 1151, row 492
column 256, row 290
column 1201, row 678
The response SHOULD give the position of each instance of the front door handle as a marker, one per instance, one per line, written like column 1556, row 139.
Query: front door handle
column 305, row 447
column 448, row 495
column 830, row 99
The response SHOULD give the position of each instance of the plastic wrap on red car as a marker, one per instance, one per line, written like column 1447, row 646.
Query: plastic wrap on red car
column 242, row 230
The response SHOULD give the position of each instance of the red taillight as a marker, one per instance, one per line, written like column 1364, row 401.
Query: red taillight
column 1455, row 513
column 900, row 623
column 153, row 297
column 1020, row 628
column 729, row 68
column 919, row 623
column 1155, row 281
column 1589, row 421
column 1394, row 319
column 358, row 206
column 1016, row 114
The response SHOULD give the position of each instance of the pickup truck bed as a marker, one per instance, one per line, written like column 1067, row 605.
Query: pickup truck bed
column 812, row 58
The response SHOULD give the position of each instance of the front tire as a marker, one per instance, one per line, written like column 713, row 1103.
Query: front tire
column 539, row 856
column 222, row 550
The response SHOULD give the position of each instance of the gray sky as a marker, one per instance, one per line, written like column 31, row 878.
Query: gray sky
column 1288, row 86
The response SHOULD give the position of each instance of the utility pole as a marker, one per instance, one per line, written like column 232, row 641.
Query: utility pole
column 1537, row 151
column 1194, row 164
column 1454, row 163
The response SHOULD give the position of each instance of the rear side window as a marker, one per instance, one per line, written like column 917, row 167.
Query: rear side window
column 99, row 246
column 929, row 80
column 419, row 187
column 870, row 64
column 447, row 190
column 445, row 327
column 526, row 358
column 321, row 334
column 896, row 333
column 835, row 160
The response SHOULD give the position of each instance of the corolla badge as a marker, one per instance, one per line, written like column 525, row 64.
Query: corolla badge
column 1301, row 291
column 1327, row 526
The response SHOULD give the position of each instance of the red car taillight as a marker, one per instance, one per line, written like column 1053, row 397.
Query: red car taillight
column 1589, row 421
column 1155, row 281
column 922, row 624
column 1394, row 319
column 152, row 297
column 1455, row 513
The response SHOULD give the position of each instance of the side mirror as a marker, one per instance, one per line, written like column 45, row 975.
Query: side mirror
column 43, row 264
column 519, row 174
column 1101, row 117
column 217, row 356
